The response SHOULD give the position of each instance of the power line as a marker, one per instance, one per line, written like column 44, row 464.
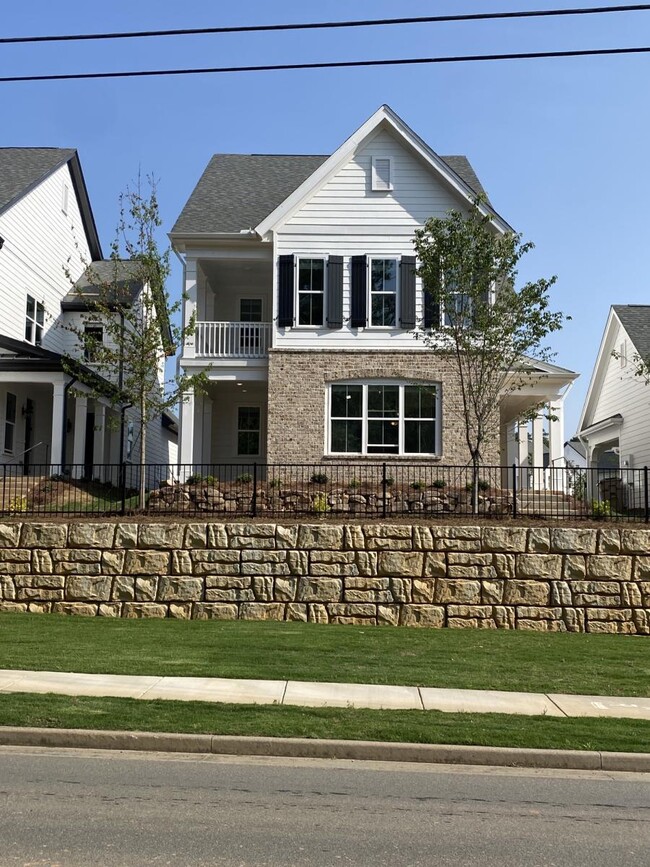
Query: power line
column 333, row 64
column 328, row 25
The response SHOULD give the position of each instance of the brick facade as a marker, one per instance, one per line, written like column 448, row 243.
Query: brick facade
column 298, row 380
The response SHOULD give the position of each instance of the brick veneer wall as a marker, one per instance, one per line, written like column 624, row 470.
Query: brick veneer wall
column 557, row 579
column 298, row 380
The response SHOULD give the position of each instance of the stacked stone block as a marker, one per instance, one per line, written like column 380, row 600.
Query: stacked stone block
column 546, row 579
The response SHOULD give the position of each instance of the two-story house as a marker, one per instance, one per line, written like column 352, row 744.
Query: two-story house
column 300, row 274
column 49, row 250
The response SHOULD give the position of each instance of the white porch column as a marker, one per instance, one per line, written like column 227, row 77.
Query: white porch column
column 511, row 452
column 186, row 434
column 522, row 453
column 206, row 436
column 556, row 445
column 190, row 305
column 58, row 421
column 99, row 438
column 198, row 429
column 79, row 441
column 538, row 452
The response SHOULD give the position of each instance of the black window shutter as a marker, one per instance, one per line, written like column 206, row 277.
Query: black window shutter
column 358, row 275
column 335, row 292
column 285, row 291
column 407, row 292
column 431, row 310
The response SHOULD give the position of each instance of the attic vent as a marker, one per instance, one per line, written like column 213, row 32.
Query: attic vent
column 381, row 174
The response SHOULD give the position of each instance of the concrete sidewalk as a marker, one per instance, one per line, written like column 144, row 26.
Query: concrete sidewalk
column 305, row 694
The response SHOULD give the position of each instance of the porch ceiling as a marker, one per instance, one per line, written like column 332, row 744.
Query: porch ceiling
column 237, row 274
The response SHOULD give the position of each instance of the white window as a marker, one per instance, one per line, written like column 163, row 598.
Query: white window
column 249, row 420
column 10, row 423
column 65, row 196
column 93, row 341
column 622, row 354
column 34, row 319
column 382, row 174
column 383, row 293
column 382, row 418
column 311, row 291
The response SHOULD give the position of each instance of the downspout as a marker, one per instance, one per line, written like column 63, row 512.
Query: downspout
column 64, row 432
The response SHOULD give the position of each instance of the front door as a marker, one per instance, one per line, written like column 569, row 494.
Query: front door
column 29, row 435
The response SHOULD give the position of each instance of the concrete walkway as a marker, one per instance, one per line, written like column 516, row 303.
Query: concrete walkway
column 304, row 694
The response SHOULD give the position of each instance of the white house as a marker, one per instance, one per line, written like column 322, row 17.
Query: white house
column 48, row 240
column 615, row 421
column 300, row 274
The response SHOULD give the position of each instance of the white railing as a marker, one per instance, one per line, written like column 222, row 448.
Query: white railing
column 232, row 339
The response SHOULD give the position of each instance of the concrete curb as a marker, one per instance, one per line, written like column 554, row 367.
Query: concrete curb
column 512, row 757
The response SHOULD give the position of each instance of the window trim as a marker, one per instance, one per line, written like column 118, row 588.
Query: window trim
column 89, row 327
column 297, row 291
column 33, row 320
column 369, row 293
column 249, row 405
column 375, row 178
column 402, row 384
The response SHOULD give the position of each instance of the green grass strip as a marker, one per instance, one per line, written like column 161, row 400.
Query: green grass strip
column 463, row 659
column 408, row 726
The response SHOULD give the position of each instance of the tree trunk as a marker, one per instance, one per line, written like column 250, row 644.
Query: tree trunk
column 143, row 453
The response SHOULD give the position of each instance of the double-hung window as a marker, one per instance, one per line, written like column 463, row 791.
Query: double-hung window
column 10, row 423
column 93, row 342
column 249, row 420
column 311, row 291
column 374, row 418
column 34, row 319
column 383, row 293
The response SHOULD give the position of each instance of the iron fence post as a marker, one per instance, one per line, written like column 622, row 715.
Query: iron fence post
column 514, row 490
column 645, row 494
column 254, row 501
column 384, row 482
column 123, row 487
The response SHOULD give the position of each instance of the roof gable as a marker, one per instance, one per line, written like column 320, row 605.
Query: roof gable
column 384, row 117
column 23, row 169
column 635, row 319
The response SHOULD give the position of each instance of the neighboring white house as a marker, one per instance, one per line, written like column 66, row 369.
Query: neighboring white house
column 48, row 239
column 615, row 421
column 299, row 271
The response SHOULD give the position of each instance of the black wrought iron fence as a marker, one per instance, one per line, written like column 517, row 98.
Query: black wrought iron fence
column 365, row 490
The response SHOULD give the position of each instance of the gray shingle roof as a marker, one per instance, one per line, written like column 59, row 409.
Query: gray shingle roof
column 21, row 169
column 635, row 318
column 237, row 191
column 123, row 276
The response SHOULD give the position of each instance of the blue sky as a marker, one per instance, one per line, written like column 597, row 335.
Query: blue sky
column 560, row 145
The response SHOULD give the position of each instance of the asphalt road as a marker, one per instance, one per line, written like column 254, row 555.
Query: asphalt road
column 63, row 808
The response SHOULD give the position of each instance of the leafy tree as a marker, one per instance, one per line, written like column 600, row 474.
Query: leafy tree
column 126, row 331
column 491, row 329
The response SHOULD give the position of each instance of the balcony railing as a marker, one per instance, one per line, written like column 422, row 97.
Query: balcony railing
column 232, row 339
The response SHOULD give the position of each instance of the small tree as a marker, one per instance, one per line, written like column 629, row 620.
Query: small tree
column 477, row 316
column 126, row 331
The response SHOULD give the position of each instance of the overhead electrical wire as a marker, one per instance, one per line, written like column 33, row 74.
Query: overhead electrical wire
column 328, row 25
column 332, row 64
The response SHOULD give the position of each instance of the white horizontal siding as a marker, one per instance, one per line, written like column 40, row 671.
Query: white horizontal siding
column 348, row 197
column 623, row 392
column 39, row 241
column 347, row 218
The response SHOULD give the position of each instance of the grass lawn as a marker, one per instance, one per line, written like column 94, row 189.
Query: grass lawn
column 408, row 725
column 471, row 659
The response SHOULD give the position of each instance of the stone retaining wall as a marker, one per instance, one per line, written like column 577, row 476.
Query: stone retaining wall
column 553, row 579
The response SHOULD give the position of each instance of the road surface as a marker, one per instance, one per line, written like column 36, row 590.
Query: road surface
column 67, row 808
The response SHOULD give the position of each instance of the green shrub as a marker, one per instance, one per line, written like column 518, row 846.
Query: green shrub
column 601, row 509
column 483, row 485
column 319, row 503
column 319, row 478
column 418, row 485
column 354, row 483
column 439, row 483
column 274, row 483
column 194, row 479
column 244, row 478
